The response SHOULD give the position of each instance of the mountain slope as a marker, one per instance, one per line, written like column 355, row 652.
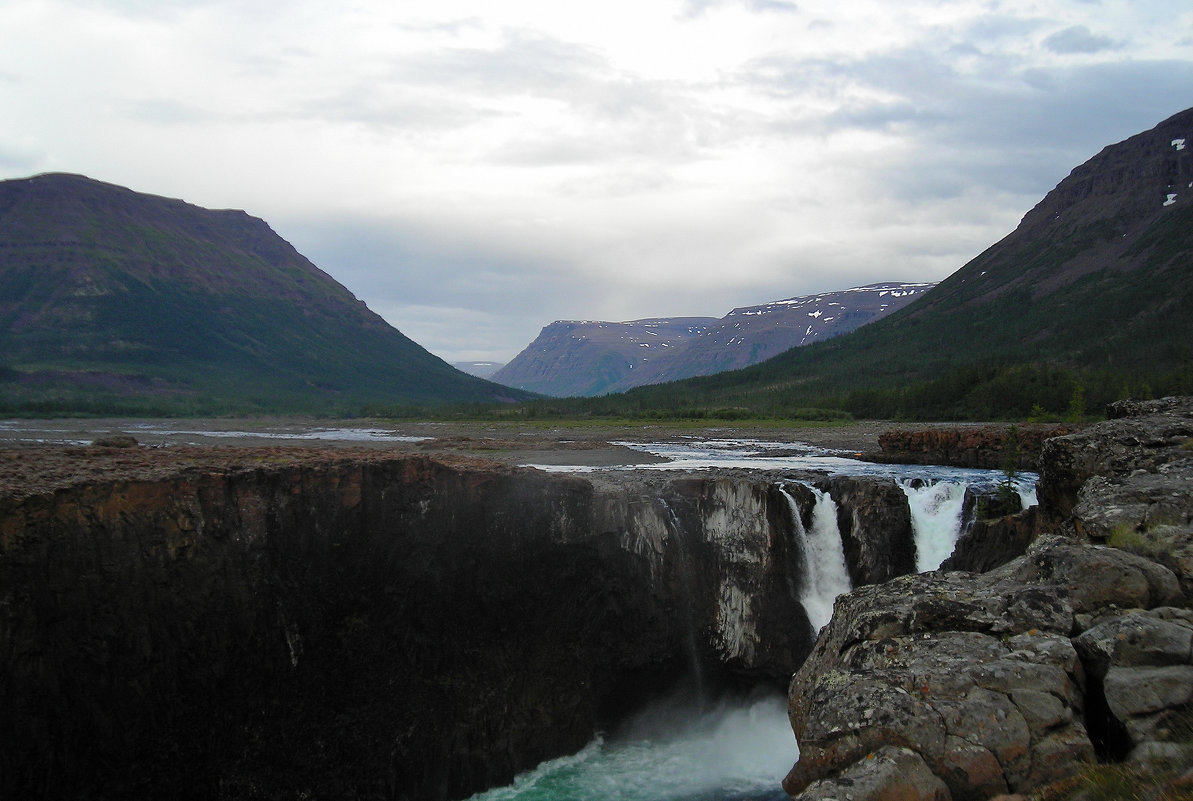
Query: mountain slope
column 581, row 358
column 1097, row 278
column 752, row 334
column 585, row 358
column 108, row 296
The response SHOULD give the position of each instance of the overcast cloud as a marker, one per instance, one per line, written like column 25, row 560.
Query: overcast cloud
column 474, row 169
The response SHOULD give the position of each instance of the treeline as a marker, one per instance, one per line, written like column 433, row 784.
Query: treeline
column 1012, row 392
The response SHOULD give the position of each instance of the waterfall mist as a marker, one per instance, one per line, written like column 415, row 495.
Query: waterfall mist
column 675, row 750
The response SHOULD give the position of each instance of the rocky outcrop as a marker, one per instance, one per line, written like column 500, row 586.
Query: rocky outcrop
column 988, row 447
column 1128, row 481
column 1004, row 681
column 875, row 524
column 991, row 542
column 1140, row 666
column 976, row 674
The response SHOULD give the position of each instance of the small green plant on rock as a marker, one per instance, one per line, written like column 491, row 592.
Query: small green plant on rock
column 1007, row 491
column 1129, row 538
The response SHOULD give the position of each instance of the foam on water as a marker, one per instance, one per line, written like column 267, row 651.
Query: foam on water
column 673, row 752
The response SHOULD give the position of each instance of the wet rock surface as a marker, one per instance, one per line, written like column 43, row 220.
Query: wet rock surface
column 1004, row 681
column 875, row 525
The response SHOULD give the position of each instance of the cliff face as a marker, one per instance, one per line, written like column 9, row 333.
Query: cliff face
column 242, row 624
column 392, row 626
column 259, row 623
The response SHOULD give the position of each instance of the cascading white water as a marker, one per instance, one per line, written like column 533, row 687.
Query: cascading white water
column 825, row 573
column 1027, row 493
column 936, row 519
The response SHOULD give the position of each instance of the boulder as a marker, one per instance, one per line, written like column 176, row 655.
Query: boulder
column 1140, row 667
column 889, row 774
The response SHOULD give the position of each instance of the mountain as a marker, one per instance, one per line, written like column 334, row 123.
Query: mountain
column 112, row 300
column 1093, row 289
column 591, row 358
column 581, row 358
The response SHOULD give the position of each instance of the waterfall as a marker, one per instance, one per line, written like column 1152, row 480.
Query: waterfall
column 936, row 512
column 1027, row 493
column 825, row 573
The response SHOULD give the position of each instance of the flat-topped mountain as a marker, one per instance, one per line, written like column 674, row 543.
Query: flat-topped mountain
column 112, row 300
column 580, row 358
column 571, row 358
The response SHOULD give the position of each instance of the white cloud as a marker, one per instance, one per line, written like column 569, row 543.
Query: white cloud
column 475, row 169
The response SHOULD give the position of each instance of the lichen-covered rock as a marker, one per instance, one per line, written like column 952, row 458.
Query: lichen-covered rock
column 1005, row 681
column 975, row 674
column 889, row 774
column 1092, row 578
column 1151, row 438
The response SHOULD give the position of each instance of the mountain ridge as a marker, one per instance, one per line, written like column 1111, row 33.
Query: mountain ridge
column 110, row 296
column 594, row 357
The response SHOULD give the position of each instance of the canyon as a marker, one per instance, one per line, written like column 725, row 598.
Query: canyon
column 376, row 623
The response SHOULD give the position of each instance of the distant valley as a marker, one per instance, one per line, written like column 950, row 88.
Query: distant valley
column 119, row 303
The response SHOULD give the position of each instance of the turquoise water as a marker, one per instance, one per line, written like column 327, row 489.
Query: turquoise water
column 736, row 751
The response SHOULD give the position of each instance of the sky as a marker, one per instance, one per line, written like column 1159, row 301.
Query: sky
column 475, row 169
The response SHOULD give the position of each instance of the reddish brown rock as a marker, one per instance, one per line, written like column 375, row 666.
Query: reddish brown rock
column 988, row 447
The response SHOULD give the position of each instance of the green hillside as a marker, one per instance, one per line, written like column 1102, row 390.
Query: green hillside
column 1089, row 299
column 113, row 301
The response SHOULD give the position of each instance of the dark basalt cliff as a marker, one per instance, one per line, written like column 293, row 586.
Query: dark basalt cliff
column 228, row 623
